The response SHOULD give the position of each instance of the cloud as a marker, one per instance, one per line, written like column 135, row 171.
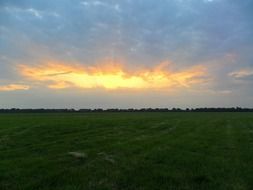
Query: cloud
column 242, row 74
column 218, row 92
column 19, row 12
column 35, row 12
column 112, row 75
column 93, row 3
column 89, row 4
column 13, row 87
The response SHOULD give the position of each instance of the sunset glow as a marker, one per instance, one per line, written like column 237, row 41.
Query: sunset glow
column 12, row 87
column 59, row 75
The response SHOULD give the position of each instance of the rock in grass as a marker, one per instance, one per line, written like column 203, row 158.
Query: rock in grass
column 78, row 155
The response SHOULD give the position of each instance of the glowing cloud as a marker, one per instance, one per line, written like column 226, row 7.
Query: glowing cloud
column 13, row 87
column 111, row 76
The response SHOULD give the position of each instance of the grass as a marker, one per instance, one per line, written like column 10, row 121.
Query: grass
column 120, row 151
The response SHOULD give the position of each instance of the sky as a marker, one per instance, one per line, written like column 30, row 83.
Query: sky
column 126, row 53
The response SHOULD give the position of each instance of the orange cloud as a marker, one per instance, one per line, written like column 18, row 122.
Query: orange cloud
column 13, row 87
column 111, row 76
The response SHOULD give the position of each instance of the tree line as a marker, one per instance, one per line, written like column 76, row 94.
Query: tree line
column 232, row 109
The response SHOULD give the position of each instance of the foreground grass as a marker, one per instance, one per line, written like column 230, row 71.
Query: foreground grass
column 135, row 151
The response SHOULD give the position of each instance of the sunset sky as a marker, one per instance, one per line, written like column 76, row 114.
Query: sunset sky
column 126, row 53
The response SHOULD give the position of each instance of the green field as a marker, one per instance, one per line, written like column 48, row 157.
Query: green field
column 119, row 151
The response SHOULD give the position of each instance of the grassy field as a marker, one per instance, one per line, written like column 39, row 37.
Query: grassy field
column 119, row 151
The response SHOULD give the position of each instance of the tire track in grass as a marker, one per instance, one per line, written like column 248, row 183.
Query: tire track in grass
column 233, row 149
column 161, row 139
column 243, row 140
